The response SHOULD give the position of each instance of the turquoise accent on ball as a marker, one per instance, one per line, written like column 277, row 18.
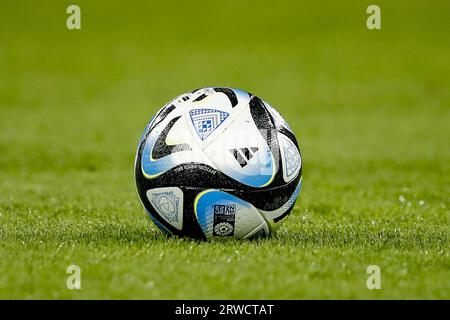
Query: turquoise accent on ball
column 204, row 206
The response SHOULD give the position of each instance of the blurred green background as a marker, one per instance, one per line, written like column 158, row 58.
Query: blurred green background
column 371, row 109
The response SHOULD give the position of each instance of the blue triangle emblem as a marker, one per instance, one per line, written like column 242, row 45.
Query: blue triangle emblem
column 205, row 121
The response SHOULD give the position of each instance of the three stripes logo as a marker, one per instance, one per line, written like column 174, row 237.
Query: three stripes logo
column 243, row 155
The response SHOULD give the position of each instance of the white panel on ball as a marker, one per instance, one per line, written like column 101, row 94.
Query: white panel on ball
column 168, row 202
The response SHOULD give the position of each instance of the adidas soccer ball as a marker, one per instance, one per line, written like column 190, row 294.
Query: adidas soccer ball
column 218, row 162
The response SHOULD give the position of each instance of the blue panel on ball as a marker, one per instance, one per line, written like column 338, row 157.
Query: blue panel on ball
column 221, row 214
column 257, row 174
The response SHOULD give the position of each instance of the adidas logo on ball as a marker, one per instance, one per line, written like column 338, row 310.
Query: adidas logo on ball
column 242, row 155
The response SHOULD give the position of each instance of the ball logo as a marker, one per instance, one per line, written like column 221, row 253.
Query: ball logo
column 205, row 121
column 224, row 218
column 220, row 209
column 223, row 229
column 290, row 156
column 168, row 203
column 243, row 155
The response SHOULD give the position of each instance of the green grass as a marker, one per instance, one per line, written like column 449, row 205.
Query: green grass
column 370, row 108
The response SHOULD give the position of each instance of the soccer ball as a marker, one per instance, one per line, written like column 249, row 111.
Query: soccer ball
column 218, row 162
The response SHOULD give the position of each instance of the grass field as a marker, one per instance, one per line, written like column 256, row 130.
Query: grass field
column 371, row 110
